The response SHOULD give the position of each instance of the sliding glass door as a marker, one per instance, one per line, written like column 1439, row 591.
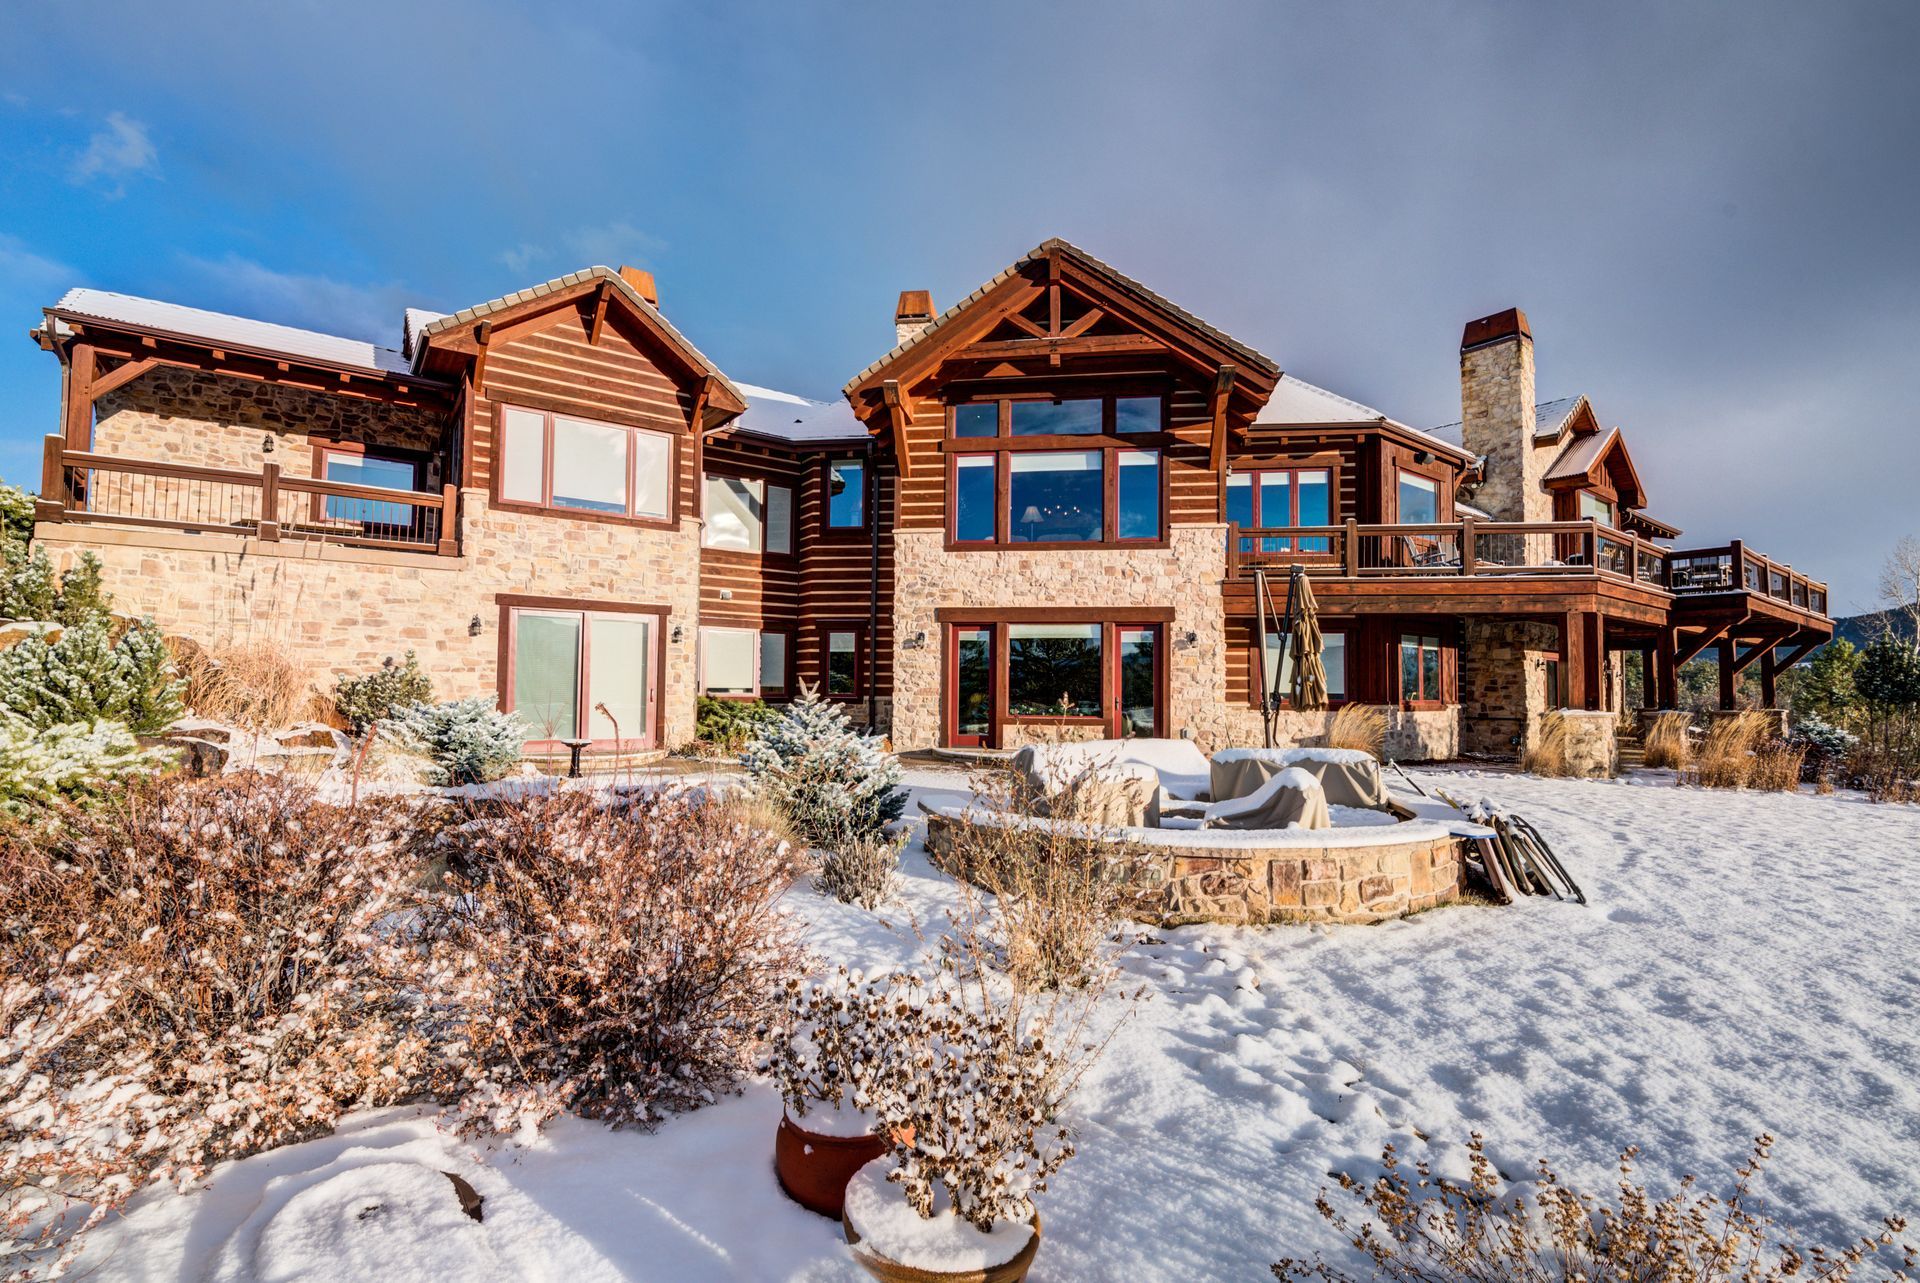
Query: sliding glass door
column 582, row 674
column 1104, row 676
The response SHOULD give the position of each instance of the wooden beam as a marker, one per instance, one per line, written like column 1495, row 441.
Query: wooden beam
column 1020, row 322
column 900, row 411
column 1087, row 321
column 1223, row 379
column 1726, row 674
column 127, row 373
column 79, row 425
column 482, row 335
column 1084, row 345
column 1711, row 632
column 599, row 313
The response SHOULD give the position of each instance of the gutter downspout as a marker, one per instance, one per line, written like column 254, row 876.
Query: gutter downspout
column 873, row 595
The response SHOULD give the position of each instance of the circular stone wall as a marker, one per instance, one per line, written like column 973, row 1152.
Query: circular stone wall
column 1357, row 875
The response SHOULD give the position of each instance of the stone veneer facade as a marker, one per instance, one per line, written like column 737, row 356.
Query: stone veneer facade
column 338, row 610
column 1504, row 687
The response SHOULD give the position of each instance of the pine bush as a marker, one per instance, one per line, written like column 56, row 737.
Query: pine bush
column 86, row 676
column 834, row 784
column 469, row 740
column 730, row 724
column 16, row 514
column 364, row 701
column 73, row 762
column 31, row 590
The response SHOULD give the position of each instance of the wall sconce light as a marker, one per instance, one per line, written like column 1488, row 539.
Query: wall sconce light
column 1187, row 640
column 266, row 444
column 678, row 634
column 916, row 641
column 474, row 626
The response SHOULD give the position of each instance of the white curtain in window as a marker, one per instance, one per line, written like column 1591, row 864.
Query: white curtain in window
column 653, row 474
column 726, row 659
column 734, row 513
column 523, row 454
column 780, row 520
column 589, row 465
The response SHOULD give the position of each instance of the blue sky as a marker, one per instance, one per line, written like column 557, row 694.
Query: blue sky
column 1705, row 210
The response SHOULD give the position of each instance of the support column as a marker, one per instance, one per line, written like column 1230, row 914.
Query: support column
column 1726, row 674
column 1649, row 680
column 1666, row 670
column 1768, row 696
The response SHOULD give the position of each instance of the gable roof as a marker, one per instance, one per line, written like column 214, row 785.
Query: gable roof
column 1296, row 401
column 1585, row 456
column 228, row 331
column 787, row 417
column 1046, row 248
column 561, row 285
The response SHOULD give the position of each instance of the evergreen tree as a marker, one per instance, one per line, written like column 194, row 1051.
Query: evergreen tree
column 16, row 514
column 87, row 677
column 469, row 740
column 68, row 762
column 1827, row 690
column 834, row 784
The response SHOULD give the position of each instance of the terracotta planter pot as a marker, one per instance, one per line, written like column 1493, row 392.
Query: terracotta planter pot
column 1013, row 1271
column 814, row 1170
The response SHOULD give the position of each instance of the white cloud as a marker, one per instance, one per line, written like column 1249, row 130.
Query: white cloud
column 116, row 153
column 30, row 272
column 614, row 244
column 346, row 308
column 523, row 256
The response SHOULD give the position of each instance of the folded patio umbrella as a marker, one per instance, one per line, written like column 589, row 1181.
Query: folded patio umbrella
column 1309, row 672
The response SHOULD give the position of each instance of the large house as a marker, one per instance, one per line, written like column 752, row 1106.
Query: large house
column 1063, row 502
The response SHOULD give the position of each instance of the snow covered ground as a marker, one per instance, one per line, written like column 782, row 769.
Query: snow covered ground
column 1748, row 963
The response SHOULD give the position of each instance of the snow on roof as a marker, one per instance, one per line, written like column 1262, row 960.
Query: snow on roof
column 1579, row 457
column 1550, row 420
column 788, row 417
column 412, row 321
column 1297, row 401
column 231, row 331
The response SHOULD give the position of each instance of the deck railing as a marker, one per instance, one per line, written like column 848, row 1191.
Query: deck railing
column 80, row 485
column 1471, row 547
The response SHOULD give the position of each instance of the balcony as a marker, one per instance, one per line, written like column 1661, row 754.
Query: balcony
column 81, row 486
column 1485, row 551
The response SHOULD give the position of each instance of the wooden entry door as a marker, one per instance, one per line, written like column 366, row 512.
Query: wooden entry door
column 970, row 719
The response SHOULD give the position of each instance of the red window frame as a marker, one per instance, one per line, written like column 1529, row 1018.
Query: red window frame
column 545, row 505
column 1421, row 697
column 511, row 607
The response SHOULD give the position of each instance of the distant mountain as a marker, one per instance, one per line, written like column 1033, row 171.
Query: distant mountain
column 1861, row 629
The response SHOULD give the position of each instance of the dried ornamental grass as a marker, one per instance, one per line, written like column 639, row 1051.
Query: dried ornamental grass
column 1361, row 726
column 1670, row 741
column 1776, row 767
column 1547, row 755
column 1433, row 1230
column 1725, row 758
column 861, row 871
column 252, row 685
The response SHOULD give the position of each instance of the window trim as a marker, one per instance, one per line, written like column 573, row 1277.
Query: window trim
column 1292, row 468
column 509, row 604
column 1439, row 495
column 789, row 685
column 1424, row 700
column 827, row 529
column 768, row 483
column 753, row 691
column 1109, row 450
column 827, row 630
column 548, row 411
column 999, row 621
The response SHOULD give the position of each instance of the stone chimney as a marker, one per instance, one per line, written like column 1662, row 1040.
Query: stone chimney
column 914, row 314
column 642, row 282
column 1497, row 416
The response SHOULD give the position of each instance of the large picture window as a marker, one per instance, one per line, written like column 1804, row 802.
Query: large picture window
column 1057, row 497
column 728, row 661
column 583, row 674
column 366, row 468
column 1279, row 668
column 560, row 461
column 747, row 514
column 1085, row 666
column 1265, row 498
column 1054, row 670
column 1419, row 500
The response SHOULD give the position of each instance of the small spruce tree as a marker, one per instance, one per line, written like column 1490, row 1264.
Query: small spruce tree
column 386, row 691
column 469, row 740
column 86, row 676
column 834, row 784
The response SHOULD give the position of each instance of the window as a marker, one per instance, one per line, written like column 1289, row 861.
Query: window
column 847, row 494
column 1139, row 494
column 727, row 659
column 1266, row 498
column 1137, row 414
column 978, row 420
column 974, row 498
column 583, row 674
column 1594, row 507
column 1056, row 497
column 1419, row 499
column 748, row 515
column 1420, row 669
column 559, row 461
column 736, row 513
column 368, row 469
column 843, row 662
column 1056, row 418
column 773, row 663
column 1333, row 658
column 1064, row 417
column 1054, row 670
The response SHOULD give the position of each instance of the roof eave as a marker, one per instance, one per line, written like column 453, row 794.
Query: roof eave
column 80, row 322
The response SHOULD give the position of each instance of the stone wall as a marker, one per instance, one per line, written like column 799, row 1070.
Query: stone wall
column 1413, row 735
column 1593, row 746
column 1503, row 684
column 209, row 420
column 1254, row 885
column 341, row 610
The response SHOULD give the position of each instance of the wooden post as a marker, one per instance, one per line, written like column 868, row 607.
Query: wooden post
column 1233, row 550
column 79, row 407
column 1591, row 544
column 52, row 504
column 1667, row 670
column 1467, row 537
column 1738, row 551
column 449, row 545
column 1573, row 678
column 1353, row 548
column 1726, row 674
column 1769, row 697
column 270, row 502
column 1593, row 671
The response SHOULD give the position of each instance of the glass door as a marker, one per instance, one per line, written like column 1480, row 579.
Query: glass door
column 970, row 678
column 1137, row 659
column 620, row 680
column 584, row 675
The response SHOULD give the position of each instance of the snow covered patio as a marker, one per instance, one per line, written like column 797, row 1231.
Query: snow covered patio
column 1746, row 964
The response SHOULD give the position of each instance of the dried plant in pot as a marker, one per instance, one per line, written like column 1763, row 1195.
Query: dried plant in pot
column 970, row 1107
column 828, row 1057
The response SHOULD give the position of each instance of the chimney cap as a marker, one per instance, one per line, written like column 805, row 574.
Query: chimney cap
column 1509, row 324
column 915, row 305
column 642, row 282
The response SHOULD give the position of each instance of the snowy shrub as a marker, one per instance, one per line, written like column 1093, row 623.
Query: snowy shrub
column 1669, row 741
column 469, row 740
column 74, row 762
column 1433, row 1230
column 1824, row 741
column 387, row 690
column 610, row 956
column 729, row 725
column 31, row 590
column 16, row 514
column 86, row 675
column 838, row 1041
column 189, row 973
column 833, row 783
column 860, row 870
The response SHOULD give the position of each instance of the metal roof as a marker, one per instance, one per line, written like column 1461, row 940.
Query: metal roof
column 230, row 331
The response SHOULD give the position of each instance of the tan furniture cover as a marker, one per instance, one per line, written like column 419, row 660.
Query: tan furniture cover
column 1087, row 789
column 1292, row 798
column 1347, row 778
